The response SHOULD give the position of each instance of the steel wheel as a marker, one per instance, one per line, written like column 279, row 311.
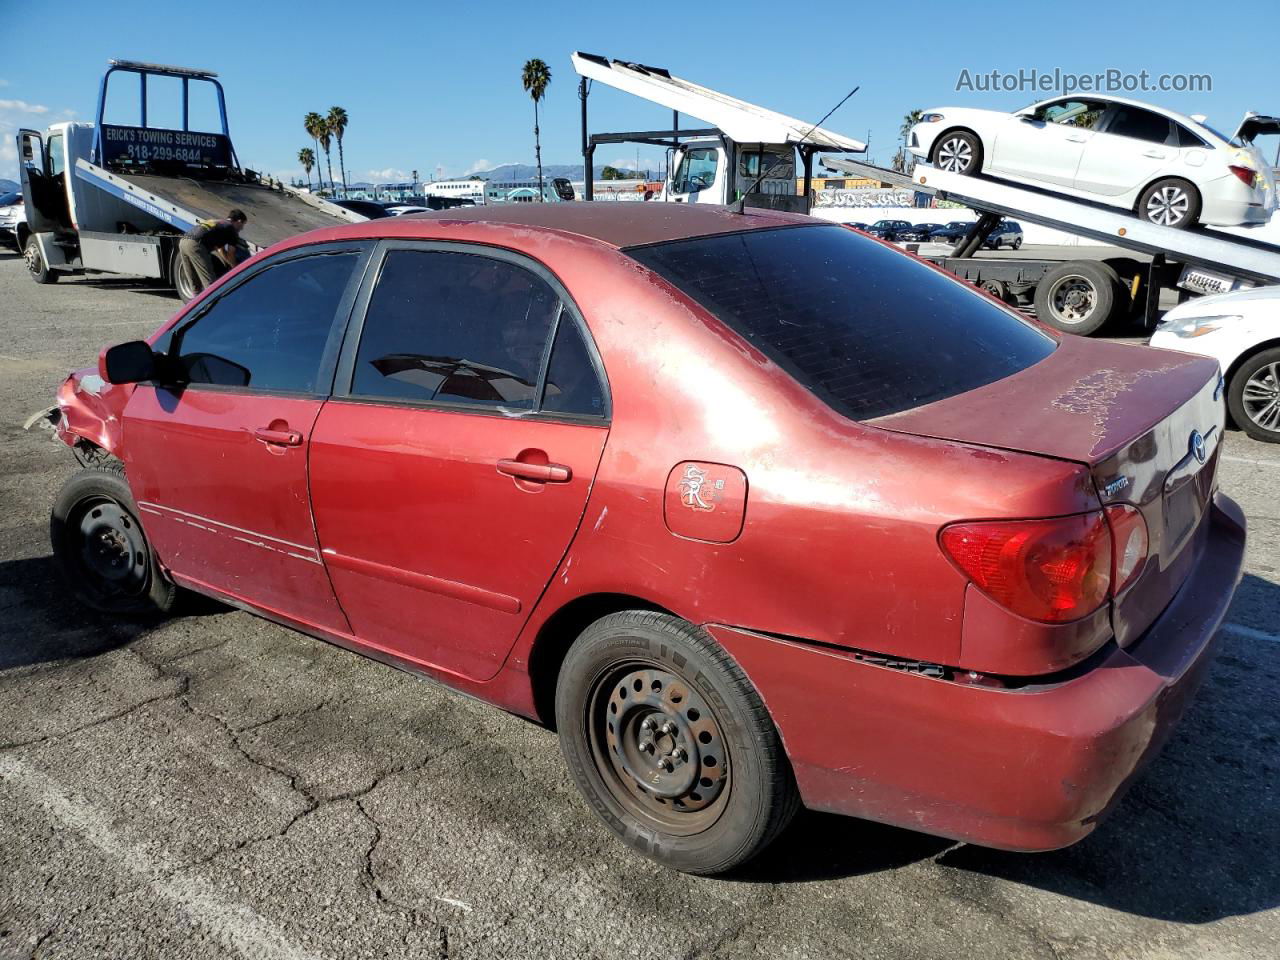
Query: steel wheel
column 955, row 154
column 659, row 748
column 1073, row 299
column 1261, row 397
column 111, row 550
column 1168, row 206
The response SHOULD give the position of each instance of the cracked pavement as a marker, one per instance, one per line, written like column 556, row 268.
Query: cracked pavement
column 215, row 786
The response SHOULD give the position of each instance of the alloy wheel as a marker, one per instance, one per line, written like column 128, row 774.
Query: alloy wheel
column 1261, row 397
column 1168, row 206
column 659, row 748
column 32, row 255
column 955, row 155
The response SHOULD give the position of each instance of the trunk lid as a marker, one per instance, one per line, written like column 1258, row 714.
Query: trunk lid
column 1251, row 127
column 1131, row 414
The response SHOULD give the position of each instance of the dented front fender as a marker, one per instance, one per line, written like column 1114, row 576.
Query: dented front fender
column 90, row 409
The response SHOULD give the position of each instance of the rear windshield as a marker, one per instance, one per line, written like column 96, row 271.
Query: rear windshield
column 867, row 329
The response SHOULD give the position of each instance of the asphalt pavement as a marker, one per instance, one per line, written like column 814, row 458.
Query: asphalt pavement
column 214, row 785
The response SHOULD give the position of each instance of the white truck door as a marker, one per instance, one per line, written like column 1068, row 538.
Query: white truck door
column 700, row 175
column 41, row 196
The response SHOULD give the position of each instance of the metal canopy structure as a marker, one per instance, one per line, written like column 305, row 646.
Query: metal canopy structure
column 738, row 120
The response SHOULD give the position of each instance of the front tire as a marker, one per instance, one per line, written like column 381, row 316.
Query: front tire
column 1171, row 202
column 670, row 744
column 1253, row 396
column 101, row 549
column 957, row 151
column 36, row 264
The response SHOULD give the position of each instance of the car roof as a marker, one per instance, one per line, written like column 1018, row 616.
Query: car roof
column 619, row 223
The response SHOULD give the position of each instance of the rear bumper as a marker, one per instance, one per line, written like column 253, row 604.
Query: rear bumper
column 1023, row 769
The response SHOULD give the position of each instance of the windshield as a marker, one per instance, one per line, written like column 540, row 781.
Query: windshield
column 868, row 330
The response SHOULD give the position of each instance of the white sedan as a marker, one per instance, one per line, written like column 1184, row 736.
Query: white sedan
column 1241, row 330
column 1168, row 168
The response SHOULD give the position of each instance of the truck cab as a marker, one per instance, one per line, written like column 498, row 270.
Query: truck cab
column 719, row 170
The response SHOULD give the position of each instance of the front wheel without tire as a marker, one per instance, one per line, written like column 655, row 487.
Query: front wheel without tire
column 100, row 547
column 36, row 264
column 670, row 744
column 1253, row 396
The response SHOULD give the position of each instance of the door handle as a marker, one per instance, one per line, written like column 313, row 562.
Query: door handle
column 1076, row 138
column 537, row 472
column 284, row 438
column 1155, row 154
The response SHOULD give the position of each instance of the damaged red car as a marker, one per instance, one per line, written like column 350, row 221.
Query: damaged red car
column 756, row 511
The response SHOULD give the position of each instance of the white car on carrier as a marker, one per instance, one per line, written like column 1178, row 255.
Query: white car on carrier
column 1170, row 169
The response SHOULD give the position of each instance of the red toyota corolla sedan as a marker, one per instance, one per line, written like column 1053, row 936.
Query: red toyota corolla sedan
column 756, row 510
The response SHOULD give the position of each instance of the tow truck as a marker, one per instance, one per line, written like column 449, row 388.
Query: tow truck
column 113, row 198
column 723, row 163
column 748, row 153
column 1082, row 296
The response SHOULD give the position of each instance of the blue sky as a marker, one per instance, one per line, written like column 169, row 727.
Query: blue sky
column 437, row 86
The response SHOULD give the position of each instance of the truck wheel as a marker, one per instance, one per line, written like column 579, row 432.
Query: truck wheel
column 100, row 547
column 670, row 744
column 1170, row 202
column 183, row 283
column 957, row 151
column 1079, row 297
column 36, row 265
column 1253, row 396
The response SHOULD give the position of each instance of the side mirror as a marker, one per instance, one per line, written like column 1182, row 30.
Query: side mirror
column 130, row 362
column 1028, row 118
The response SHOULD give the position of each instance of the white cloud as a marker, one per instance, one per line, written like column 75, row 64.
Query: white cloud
column 481, row 164
column 388, row 174
column 21, row 106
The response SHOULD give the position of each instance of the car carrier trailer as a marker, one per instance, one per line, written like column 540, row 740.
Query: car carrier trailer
column 1081, row 296
column 110, row 198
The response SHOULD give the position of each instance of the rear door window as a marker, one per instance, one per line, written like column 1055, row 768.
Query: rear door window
column 1138, row 124
column 867, row 329
column 461, row 328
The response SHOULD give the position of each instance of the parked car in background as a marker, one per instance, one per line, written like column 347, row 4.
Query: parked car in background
column 1008, row 233
column 856, row 574
column 366, row 208
column 1170, row 169
column 13, row 219
column 399, row 210
column 951, row 232
column 918, row 232
column 890, row 230
column 858, row 225
column 1241, row 330
column 428, row 204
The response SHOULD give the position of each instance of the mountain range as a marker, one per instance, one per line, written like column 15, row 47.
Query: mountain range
column 8, row 186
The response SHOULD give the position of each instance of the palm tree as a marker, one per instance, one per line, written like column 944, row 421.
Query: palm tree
column 535, row 77
column 904, row 131
column 315, row 125
column 337, row 121
column 326, row 144
column 307, row 157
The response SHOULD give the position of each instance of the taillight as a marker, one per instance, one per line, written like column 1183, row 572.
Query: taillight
column 1130, row 545
column 1052, row 570
column 1248, row 176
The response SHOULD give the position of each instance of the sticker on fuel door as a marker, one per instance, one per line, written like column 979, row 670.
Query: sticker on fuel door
column 705, row 501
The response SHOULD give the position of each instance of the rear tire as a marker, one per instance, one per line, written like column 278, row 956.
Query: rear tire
column 670, row 744
column 183, row 282
column 1171, row 202
column 1253, row 396
column 957, row 151
column 36, row 264
column 1080, row 297
column 101, row 549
